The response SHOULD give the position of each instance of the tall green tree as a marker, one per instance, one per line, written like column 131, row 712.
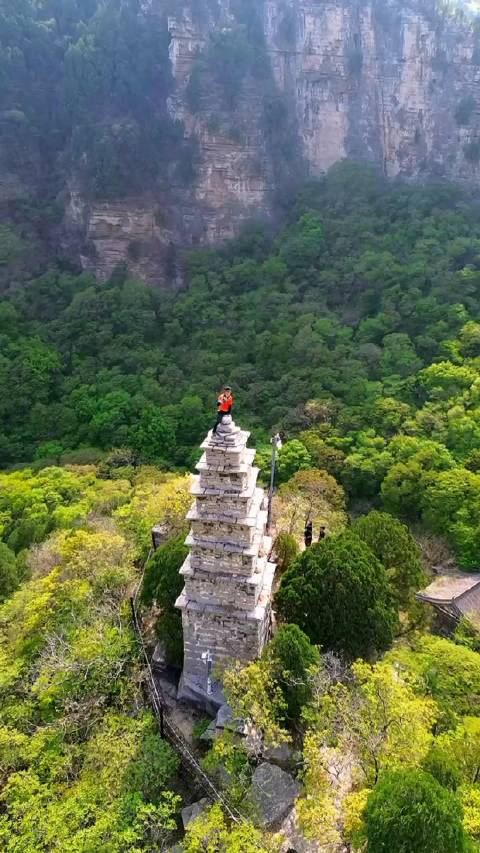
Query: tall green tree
column 338, row 593
column 293, row 662
column 9, row 572
column 395, row 547
column 410, row 812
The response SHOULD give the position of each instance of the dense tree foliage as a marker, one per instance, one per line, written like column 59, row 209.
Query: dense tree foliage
column 163, row 584
column 395, row 547
column 293, row 660
column 381, row 719
column 353, row 330
column 9, row 572
column 83, row 766
column 211, row 832
column 339, row 594
column 451, row 673
column 89, row 79
column 410, row 811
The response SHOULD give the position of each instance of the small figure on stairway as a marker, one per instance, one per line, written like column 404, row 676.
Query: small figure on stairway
column 308, row 534
column 224, row 403
column 322, row 532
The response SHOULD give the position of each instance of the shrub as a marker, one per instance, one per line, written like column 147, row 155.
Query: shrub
column 411, row 811
column 292, row 658
column 443, row 767
column 395, row 547
column 161, row 582
column 168, row 629
column 286, row 549
column 9, row 572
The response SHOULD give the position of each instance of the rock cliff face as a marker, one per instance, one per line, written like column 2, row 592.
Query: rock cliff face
column 393, row 83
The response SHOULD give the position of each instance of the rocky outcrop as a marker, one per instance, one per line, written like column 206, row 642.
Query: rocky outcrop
column 380, row 81
column 273, row 794
column 193, row 811
column 393, row 83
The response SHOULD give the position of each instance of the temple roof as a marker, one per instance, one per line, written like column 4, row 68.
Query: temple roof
column 457, row 593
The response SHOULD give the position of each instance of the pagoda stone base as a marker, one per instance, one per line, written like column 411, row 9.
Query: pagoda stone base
column 193, row 690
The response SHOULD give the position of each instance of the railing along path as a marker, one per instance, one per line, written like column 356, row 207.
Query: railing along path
column 167, row 729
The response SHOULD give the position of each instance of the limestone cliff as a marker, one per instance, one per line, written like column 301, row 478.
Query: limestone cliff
column 390, row 82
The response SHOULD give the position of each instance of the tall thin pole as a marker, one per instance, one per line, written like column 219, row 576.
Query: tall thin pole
column 276, row 443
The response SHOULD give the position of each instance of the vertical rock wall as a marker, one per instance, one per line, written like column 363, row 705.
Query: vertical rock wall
column 379, row 81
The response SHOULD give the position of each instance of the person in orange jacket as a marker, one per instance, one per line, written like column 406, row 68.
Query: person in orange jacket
column 224, row 403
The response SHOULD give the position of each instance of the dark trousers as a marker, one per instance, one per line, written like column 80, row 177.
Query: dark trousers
column 220, row 415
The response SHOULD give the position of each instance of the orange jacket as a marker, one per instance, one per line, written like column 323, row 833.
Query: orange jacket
column 225, row 402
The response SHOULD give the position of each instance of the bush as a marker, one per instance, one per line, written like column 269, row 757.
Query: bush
column 410, row 811
column 121, row 460
column 467, row 634
column 395, row 547
column 339, row 594
column 82, row 456
column 291, row 658
column 286, row 549
column 168, row 629
column 292, row 457
column 162, row 582
column 443, row 767
column 9, row 572
column 230, row 57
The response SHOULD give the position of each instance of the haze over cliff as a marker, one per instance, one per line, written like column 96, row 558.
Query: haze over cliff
column 236, row 102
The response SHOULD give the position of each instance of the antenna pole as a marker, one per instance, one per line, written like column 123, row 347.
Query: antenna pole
column 276, row 443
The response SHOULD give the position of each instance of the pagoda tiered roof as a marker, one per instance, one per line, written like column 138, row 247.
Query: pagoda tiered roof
column 226, row 599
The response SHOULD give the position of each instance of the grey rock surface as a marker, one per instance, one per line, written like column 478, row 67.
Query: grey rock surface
column 273, row 793
column 209, row 734
column 282, row 755
column 379, row 81
column 224, row 716
column 192, row 811
column 374, row 81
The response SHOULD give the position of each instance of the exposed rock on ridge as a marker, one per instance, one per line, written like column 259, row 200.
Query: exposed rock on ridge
column 379, row 80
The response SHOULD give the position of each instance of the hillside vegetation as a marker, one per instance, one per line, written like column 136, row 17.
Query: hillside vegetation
column 353, row 329
column 82, row 766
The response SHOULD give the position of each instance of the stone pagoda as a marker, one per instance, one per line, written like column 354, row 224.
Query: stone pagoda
column 226, row 600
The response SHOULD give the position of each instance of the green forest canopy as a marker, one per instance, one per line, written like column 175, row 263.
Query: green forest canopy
column 353, row 329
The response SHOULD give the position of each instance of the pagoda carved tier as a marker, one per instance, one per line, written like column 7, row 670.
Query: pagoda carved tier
column 226, row 600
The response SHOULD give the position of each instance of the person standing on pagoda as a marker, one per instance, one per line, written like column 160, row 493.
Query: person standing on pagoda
column 224, row 404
